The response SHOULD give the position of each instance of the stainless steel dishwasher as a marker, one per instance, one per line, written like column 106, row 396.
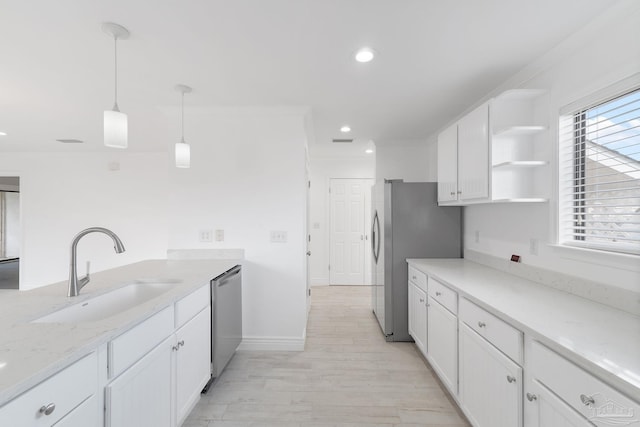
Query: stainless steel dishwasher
column 226, row 319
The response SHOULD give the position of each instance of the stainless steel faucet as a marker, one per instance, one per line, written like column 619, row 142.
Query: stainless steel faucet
column 76, row 284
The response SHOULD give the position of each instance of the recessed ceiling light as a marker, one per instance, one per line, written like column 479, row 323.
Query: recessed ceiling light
column 365, row 54
column 368, row 151
column 3, row 134
column 345, row 129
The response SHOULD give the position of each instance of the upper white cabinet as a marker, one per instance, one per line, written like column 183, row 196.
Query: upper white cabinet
column 473, row 155
column 463, row 159
column 448, row 165
column 519, row 147
column 499, row 152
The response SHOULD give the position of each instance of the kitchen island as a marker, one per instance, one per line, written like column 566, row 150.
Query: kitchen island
column 30, row 353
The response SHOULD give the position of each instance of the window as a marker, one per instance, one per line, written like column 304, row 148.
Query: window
column 600, row 175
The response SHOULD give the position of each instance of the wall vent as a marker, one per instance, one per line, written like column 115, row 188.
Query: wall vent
column 70, row 141
column 342, row 141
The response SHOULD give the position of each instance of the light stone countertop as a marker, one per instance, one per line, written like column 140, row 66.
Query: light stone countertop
column 31, row 352
column 603, row 340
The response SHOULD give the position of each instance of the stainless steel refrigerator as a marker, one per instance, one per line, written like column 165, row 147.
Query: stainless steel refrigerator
column 407, row 223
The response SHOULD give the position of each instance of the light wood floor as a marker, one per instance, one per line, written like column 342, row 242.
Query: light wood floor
column 347, row 376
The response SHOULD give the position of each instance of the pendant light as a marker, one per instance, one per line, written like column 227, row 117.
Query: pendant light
column 183, row 150
column 115, row 122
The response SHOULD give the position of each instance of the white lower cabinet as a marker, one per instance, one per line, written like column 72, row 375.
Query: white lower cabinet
column 545, row 409
column 193, row 362
column 442, row 338
column 59, row 398
column 418, row 316
column 141, row 396
column 490, row 383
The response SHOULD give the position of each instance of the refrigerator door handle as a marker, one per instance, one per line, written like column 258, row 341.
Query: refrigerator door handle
column 375, row 237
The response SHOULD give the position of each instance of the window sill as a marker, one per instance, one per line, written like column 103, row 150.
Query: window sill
column 619, row 260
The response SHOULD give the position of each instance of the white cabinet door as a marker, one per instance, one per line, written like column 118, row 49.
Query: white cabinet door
column 141, row 396
column 544, row 409
column 193, row 362
column 490, row 383
column 442, row 339
column 418, row 316
column 473, row 155
column 448, row 165
column 85, row 415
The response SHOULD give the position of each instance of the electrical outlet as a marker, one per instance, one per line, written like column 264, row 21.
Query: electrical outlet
column 219, row 235
column 477, row 236
column 278, row 237
column 533, row 246
column 205, row 236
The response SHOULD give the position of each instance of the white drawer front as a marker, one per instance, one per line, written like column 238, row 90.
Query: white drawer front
column 65, row 390
column 499, row 333
column 444, row 295
column 192, row 304
column 598, row 402
column 129, row 347
column 418, row 277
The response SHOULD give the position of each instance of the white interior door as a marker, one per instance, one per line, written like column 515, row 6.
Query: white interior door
column 347, row 234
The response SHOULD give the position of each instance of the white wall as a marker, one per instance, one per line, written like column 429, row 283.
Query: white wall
column 606, row 51
column 322, row 170
column 413, row 162
column 63, row 193
column 247, row 177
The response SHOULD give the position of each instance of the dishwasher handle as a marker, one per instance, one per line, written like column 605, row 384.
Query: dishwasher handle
column 224, row 278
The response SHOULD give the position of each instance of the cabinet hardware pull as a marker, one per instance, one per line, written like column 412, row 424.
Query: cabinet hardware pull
column 414, row 277
column 511, row 379
column 180, row 343
column 453, row 193
column 421, row 299
column 48, row 409
column 428, row 305
column 587, row 400
column 459, row 191
column 531, row 397
column 438, row 294
column 481, row 324
column 175, row 347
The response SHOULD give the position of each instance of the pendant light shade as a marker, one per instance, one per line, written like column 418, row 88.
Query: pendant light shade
column 183, row 155
column 115, row 129
column 115, row 122
column 183, row 150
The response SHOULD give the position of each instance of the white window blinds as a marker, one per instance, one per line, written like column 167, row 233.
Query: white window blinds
column 600, row 175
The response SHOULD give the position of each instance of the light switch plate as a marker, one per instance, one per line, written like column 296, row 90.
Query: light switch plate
column 205, row 236
column 278, row 237
column 219, row 235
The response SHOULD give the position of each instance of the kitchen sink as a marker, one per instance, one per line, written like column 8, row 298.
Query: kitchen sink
column 111, row 303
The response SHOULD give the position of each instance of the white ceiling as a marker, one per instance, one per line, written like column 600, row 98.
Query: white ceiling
column 435, row 59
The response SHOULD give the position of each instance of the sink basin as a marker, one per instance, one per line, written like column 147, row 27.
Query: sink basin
column 108, row 304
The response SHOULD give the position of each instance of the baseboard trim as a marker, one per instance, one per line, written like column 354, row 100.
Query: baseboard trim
column 272, row 344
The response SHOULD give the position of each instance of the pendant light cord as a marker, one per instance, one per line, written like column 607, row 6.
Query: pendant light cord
column 182, row 140
column 115, row 94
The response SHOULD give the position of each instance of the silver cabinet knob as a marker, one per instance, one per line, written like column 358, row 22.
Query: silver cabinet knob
column 511, row 379
column 481, row 324
column 587, row 400
column 48, row 409
column 438, row 294
column 531, row 397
